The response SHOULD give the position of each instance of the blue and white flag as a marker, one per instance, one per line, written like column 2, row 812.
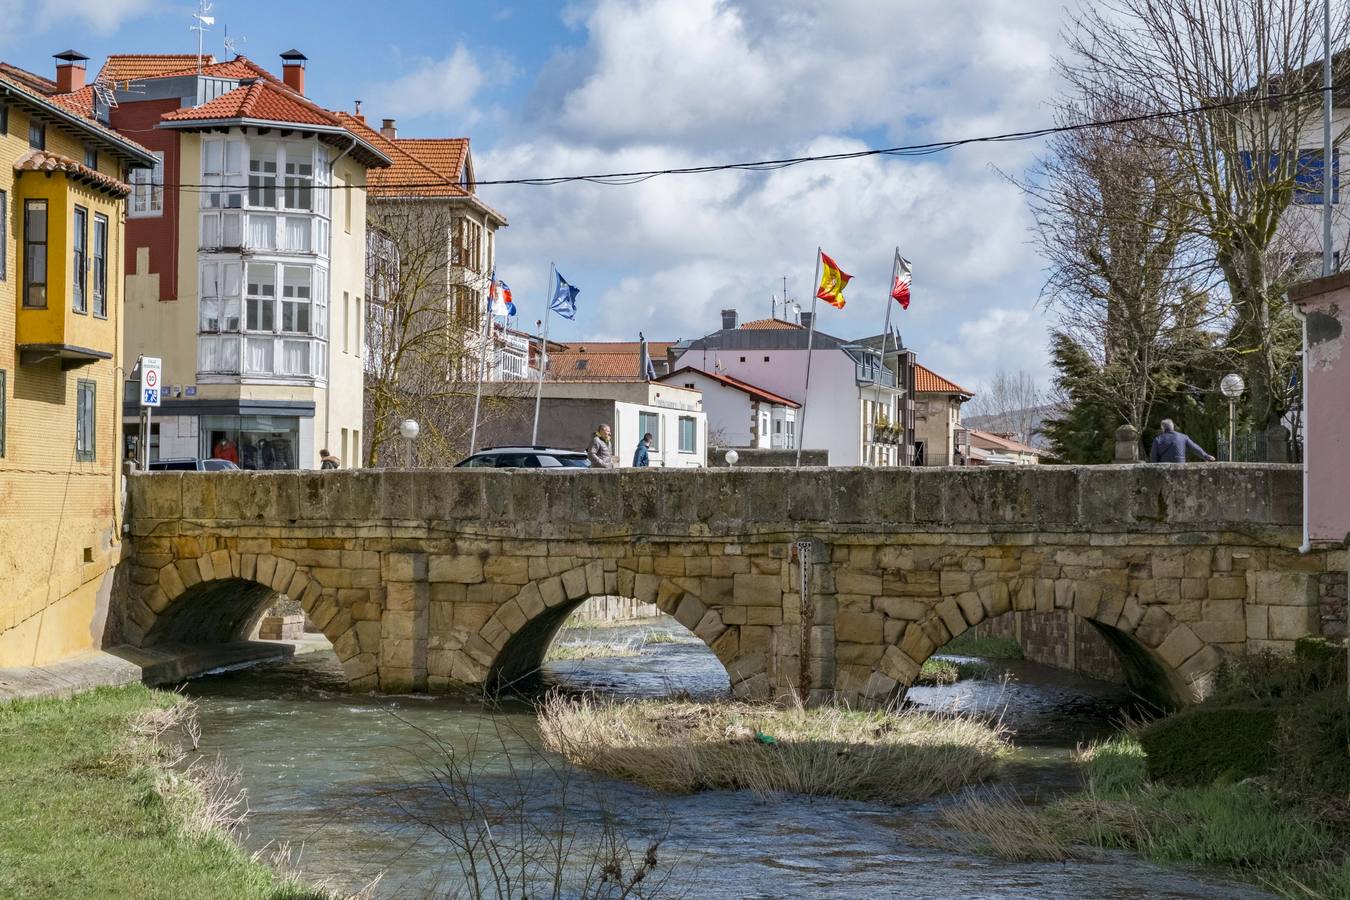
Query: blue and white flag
column 564, row 301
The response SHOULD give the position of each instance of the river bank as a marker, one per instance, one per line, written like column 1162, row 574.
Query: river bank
column 91, row 805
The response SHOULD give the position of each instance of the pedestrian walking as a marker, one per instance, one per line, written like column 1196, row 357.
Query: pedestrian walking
column 1171, row 446
column 600, row 452
column 641, row 458
column 328, row 460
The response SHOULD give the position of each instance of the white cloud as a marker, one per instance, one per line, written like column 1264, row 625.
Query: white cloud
column 104, row 16
column 447, row 86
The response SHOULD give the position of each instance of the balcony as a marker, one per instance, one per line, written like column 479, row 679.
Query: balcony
column 872, row 373
column 263, row 356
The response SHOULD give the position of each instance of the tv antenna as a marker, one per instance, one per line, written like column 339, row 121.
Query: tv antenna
column 203, row 21
column 229, row 42
column 104, row 89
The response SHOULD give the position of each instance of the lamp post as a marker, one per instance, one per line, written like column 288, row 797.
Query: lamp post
column 731, row 457
column 1232, row 386
column 409, row 429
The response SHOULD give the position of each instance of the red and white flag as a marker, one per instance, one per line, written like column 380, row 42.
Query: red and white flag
column 900, row 278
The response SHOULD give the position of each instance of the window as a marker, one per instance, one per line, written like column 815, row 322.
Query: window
column 4, row 231
column 4, row 120
column 219, row 296
column 4, row 393
column 342, row 454
column 79, row 258
column 688, row 434
column 356, row 450
column 35, row 254
column 299, row 183
column 91, row 158
column 742, row 359
column 262, row 293
column 147, row 189
column 650, row 423
column 262, row 176
column 357, row 328
column 766, row 359
column 223, row 173
column 1308, row 177
column 295, row 297
column 84, row 420
column 347, row 203
column 346, row 321
column 100, row 265
column 37, row 134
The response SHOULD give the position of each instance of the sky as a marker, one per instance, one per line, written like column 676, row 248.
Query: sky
column 546, row 88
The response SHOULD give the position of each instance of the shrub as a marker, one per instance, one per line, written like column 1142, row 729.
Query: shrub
column 1113, row 767
column 970, row 644
column 1311, row 745
column 1204, row 744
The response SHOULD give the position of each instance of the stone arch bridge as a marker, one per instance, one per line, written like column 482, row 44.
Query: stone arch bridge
column 438, row 580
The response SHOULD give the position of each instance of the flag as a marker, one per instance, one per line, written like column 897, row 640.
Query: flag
column 501, row 299
column 832, row 282
column 564, row 301
column 900, row 278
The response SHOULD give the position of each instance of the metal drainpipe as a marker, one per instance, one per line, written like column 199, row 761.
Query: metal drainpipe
column 1306, row 546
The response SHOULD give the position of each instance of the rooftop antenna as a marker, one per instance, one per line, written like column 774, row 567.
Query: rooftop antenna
column 229, row 42
column 203, row 22
column 104, row 89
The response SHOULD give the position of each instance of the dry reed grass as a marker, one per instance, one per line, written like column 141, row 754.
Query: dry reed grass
column 683, row 746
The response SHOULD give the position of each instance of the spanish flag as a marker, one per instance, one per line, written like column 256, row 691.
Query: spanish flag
column 832, row 281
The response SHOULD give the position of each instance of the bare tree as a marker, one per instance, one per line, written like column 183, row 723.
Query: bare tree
column 1009, row 403
column 1129, row 274
column 1239, row 162
column 425, row 334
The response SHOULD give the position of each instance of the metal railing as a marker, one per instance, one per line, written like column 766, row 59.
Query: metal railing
column 868, row 373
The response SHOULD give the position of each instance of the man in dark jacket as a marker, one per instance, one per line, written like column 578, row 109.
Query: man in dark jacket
column 1171, row 446
column 641, row 459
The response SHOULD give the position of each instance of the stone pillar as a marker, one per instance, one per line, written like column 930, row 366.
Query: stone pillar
column 403, row 623
column 1127, row 444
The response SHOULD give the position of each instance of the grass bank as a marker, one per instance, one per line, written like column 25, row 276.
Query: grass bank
column 682, row 747
column 937, row 671
column 90, row 807
column 968, row 644
column 1255, row 780
column 582, row 642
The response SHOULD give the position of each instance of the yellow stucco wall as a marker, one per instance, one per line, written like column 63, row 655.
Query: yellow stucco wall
column 60, row 519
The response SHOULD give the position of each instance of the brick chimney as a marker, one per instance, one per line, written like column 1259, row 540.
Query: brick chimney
column 388, row 129
column 70, row 71
column 293, row 70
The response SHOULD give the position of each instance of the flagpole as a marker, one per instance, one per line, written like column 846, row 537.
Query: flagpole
column 543, row 357
column 810, row 340
column 482, row 361
column 885, row 335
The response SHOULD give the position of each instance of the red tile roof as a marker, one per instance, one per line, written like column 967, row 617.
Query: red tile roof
column 764, row 324
column 43, row 161
column 32, row 88
column 926, row 381
column 1002, row 443
column 31, row 80
column 80, row 102
column 122, row 67
column 263, row 100
column 656, row 348
column 444, row 155
column 571, row 365
column 745, row 386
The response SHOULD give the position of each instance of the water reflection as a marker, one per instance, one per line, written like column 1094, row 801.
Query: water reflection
column 345, row 780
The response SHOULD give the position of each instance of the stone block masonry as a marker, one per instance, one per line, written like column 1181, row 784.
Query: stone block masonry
column 438, row 580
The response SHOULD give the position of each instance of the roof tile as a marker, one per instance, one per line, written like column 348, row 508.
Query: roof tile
column 44, row 161
column 261, row 100
column 745, row 386
column 121, row 67
column 926, row 381
column 769, row 324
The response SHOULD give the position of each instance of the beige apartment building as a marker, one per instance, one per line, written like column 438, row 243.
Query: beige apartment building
column 245, row 260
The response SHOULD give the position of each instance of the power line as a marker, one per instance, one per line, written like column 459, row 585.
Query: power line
column 910, row 150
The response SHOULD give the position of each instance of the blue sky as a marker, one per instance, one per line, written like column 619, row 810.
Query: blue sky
column 561, row 88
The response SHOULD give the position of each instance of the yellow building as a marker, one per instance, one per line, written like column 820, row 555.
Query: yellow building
column 63, row 184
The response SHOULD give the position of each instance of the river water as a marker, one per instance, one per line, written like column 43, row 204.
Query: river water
column 356, row 786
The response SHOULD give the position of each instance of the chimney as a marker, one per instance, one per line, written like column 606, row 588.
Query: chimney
column 388, row 130
column 359, row 114
column 293, row 70
column 728, row 319
column 806, row 319
column 70, row 71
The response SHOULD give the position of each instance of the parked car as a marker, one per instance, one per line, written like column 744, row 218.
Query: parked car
column 525, row 458
column 188, row 464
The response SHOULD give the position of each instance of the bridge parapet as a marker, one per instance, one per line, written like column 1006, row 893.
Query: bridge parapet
column 439, row 578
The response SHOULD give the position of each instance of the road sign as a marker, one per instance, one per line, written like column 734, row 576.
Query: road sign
column 150, row 378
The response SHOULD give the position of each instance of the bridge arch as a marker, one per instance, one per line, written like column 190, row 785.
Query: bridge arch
column 1163, row 659
column 218, row 597
column 521, row 630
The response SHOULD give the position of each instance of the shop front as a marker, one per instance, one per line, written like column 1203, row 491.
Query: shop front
column 251, row 442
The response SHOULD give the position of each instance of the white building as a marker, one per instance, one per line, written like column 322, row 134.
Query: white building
column 853, row 398
column 739, row 413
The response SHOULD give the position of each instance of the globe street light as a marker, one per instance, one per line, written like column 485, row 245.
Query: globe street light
column 1232, row 386
column 731, row 457
column 409, row 429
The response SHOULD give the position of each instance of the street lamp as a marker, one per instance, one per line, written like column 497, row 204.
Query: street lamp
column 409, row 429
column 731, row 457
column 1232, row 386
